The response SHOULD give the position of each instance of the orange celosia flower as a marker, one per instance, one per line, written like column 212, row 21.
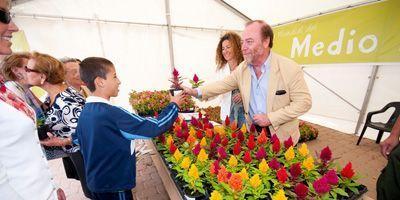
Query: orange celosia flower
column 220, row 130
column 222, row 175
column 191, row 139
column 177, row 128
column 169, row 140
column 202, row 156
column 236, row 182
column 233, row 125
column 262, row 138
column 209, row 133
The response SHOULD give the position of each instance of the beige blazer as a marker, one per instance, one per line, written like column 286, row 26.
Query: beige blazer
column 282, row 110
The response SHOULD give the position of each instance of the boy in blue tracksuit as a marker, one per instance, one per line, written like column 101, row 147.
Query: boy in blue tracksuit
column 106, row 133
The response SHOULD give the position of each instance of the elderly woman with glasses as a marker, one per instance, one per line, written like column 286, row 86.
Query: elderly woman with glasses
column 24, row 173
column 64, row 107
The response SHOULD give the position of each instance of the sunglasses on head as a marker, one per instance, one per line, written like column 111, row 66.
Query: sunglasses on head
column 31, row 70
column 5, row 16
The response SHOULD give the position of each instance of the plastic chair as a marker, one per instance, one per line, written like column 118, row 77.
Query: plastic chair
column 382, row 127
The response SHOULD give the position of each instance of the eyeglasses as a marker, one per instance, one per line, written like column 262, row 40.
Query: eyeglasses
column 5, row 16
column 31, row 70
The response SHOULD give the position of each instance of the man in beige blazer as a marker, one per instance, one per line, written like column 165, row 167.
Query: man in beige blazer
column 273, row 89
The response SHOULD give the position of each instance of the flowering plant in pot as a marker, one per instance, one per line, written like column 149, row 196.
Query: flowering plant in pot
column 235, row 163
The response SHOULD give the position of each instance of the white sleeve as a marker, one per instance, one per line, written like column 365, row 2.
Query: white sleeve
column 6, row 191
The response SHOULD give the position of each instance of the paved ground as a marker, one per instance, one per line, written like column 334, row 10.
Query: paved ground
column 366, row 160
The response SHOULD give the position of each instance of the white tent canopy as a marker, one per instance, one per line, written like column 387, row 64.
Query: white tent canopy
column 134, row 36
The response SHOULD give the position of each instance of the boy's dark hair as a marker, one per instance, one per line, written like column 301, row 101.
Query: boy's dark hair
column 93, row 67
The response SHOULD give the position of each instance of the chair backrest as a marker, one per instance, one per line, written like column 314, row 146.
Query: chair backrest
column 395, row 114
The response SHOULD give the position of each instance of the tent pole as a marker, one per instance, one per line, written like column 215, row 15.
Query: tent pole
column 234, row 10
column 170, row 42
column 367, row 97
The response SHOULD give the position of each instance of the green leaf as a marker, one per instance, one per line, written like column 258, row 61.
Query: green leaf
column 354, row 189
column 341, row 192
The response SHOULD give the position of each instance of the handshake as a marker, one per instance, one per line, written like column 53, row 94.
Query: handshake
column 178, row 96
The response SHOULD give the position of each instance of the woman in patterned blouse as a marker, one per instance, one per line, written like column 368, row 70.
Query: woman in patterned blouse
column 64, row 107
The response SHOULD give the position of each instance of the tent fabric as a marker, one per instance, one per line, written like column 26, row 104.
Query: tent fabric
column 134, row 36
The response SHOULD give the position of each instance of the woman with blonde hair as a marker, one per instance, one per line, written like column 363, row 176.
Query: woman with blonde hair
column 228, row 57
column 64, row 107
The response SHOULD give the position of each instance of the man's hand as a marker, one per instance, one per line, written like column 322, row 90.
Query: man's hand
column 237, row 98
column 178, row 98
column 261, row 120
column 61, row 194
column 55, row 141
column 387, row 145
column 190, row 91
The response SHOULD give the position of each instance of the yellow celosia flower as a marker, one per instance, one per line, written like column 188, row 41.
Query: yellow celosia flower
column 215, row 195
column 243, row 129
column 255, row 181
column 202, row 155
column 192, row 132
column 280, row 195
column 185, row 162
column 193, row 172
column 309, row 163
column 303, row 150
column 177, row 155
column 169, row 140
column 289, row 155
column 263, row 166
column 244, row 174
column 203, row 142
column 232, row 161
column 220, row 130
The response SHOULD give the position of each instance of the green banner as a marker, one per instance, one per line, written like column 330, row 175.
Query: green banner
column 369, row 33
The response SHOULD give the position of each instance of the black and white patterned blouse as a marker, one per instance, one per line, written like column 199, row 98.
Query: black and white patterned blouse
column 62, row 116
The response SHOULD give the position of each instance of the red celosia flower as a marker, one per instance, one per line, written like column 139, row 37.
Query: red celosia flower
column 194, row 121
column 156, row 114
column 237, row 148
column 301, row 191
column 217, row 138
column 347, row 171
column 321, row 185
column 200, row 115
column 175, row 73
column 261, row 153
column 288, row 143
column 213, row 145
column 240, row 136
column 247, row 157
column 210, row 125
column 172, row 148
column 225, row 141
column 251, row 143
column 252, row 128
column 295, row 170
column 179, row 134
column 195, row 78
column 199, row 134
column 184, row 125
column 227, row 121
column 276, row 146
column 234, row 135
column 205, row 120
column 200, row 126
column 274, row 164
column 274, row 138
column 196, row 149
column 262, row 138
column 185, row 135
column 332, row 177
column 214, row 167
column 162, row 138
column 282, row 175
column 326, row 154
column 222, row 153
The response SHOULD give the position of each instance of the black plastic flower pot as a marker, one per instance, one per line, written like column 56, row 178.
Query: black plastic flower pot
column 362, row 189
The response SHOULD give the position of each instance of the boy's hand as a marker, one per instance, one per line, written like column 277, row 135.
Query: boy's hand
column 178, row 98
